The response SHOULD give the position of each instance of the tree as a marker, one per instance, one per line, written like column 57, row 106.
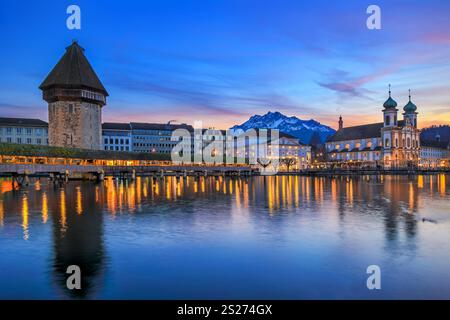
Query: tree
column 288, row 162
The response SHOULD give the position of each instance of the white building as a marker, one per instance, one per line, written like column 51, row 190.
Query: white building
column 117, row 136
column 434, row 153
column 23, row 131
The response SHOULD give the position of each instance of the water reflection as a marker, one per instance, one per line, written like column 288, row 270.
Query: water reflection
column 77, row 211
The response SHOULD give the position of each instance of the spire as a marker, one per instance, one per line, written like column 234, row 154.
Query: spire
column 390, row 103
column 341, row 123
column 410, row 107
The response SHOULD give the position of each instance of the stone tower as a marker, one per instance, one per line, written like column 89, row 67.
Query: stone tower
column 75, row 99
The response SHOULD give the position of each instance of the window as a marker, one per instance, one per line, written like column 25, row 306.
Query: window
column 19, row 140
column 386, row 142
column 408, row 142
column 121, row 141
column 111, row 141
column 396, row 142
column 38, row 141
column 8, row 130
column 29, row 140
column 387, row 121
column 8, row 139
column 29, row 131
column 106, row 140
column 19, row 130
column 70, row 108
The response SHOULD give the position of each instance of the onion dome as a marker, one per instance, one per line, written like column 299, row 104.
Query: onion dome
column 410, row 107
column 390, row 103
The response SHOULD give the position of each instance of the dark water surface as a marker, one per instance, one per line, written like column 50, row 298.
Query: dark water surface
column 259, row 237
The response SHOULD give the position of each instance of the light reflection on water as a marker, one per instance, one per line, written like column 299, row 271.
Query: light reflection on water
column 216, row 237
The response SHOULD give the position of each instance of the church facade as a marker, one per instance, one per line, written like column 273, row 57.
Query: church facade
column 392, row 143
column 75, row 98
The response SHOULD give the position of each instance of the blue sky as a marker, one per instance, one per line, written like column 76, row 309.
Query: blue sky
column 223, row 61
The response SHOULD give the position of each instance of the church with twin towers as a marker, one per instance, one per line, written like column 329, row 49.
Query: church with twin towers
column 393, row 141
column 75, row 97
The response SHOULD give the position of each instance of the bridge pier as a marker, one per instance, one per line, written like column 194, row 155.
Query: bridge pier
column 20, row 180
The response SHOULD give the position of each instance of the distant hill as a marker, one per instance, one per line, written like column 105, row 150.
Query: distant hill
column 431, row 133
column 307, row 131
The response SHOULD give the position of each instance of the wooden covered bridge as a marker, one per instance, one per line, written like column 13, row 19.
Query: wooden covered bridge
column 60, row 164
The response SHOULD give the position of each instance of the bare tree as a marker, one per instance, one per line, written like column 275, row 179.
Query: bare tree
column 288, row 162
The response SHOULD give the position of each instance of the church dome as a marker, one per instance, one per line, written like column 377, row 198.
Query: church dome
column 390, row 103
column 410, row 107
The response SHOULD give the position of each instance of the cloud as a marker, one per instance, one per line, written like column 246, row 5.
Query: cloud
column 19, row 111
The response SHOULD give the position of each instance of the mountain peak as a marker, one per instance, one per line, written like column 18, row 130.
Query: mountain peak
column 304, row 130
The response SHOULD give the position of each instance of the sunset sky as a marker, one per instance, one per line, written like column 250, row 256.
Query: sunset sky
column 223, row 61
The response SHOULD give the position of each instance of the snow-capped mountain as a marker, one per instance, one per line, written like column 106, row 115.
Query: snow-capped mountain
column 308, row 131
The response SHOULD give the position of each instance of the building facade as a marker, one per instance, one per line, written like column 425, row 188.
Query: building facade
column 155, row 137
column 393, row 142
column 23, row 131
column 117, row 136
column 75, row 98
column 435, row 153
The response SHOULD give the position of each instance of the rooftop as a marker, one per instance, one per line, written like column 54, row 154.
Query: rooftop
column 23, row 122
column 116, row 126
column 73, row 71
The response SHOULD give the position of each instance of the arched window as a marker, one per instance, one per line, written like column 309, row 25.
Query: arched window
column 396, row 142
column 408, row 142
column 386, row 142
column 388, row 120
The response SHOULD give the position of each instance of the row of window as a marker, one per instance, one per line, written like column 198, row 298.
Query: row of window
column 415, row 143
column 116, row 141
column 161, row 145
column 357, row 145
column 117, row 148
column 164, row 138
column 20, row 130
column 24, row 140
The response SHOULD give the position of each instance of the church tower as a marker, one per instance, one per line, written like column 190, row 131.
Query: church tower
column 410, row 114
column 390, row 132
column 75, row 98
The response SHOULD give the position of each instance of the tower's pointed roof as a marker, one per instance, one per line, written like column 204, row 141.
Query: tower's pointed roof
column 73, row 70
